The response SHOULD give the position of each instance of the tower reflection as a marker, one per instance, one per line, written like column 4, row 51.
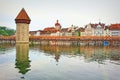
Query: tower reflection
column 22, row 58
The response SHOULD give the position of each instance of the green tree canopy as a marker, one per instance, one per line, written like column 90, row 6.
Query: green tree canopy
column 4, row 31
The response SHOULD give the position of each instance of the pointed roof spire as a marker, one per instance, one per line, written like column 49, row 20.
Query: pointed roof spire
column 22, row 17
column 57, row 23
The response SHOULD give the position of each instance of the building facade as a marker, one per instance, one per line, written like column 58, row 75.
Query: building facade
column 114, row 29
column 99, row 29
column 89, row 30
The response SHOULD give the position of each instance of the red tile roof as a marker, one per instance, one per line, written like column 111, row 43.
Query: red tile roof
column 114, row 27
column 22, row 17
column 43, row 32
column 50, row 29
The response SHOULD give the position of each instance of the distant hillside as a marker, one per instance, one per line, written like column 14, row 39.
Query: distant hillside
column 4, row 31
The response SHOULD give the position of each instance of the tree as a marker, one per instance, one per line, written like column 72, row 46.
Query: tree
column 10, row 32
column 4, row 31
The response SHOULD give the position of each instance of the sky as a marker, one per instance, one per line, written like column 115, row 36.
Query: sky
column 44, row 13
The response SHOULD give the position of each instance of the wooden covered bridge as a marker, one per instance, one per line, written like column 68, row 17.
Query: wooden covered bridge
column 75, row 38
column 65, row 38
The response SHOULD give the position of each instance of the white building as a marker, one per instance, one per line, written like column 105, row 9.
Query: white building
column 99, row 29
column 58, row 33
column 89, row 30
column 96, row 30
column 106, row 31
column 34, row 33
column 114, row 29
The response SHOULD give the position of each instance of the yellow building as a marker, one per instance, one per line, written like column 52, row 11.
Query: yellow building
column 22, row 27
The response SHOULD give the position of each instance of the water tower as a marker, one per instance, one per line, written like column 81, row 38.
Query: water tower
column 22, row 27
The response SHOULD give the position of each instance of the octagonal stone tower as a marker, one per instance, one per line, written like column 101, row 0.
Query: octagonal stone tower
column 22, row 27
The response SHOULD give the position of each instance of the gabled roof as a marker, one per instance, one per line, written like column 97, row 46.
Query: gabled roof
column 22, row 15
column 95, row 25
column 106, row 27
column 81, row 29
column 114, row 27
column 50, row 29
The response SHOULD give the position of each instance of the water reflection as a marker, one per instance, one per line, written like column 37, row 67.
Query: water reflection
column 22, row 58
column 72, row 62
column 5, row 46
column 90, row 53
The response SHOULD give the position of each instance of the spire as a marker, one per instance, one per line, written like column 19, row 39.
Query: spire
column 22, row 17
column 57, row 23
column 99, row 21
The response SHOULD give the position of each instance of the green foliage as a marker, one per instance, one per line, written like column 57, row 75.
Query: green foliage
column 4, row 31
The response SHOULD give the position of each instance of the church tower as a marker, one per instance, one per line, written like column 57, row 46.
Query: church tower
column 22, row 27
column 57, row 26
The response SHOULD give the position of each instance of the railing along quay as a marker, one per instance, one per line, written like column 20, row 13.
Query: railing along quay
column 65, row 38
column 8, row 39
column 76, row 38
column 2, row 38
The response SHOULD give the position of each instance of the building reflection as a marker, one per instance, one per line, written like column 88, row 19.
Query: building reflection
column 57, row 51
column 6, row 46
column 90, row 53
column 52, row 50
column 22, row 58
column 57, row 54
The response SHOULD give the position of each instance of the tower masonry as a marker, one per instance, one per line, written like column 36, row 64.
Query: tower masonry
column 22, row 27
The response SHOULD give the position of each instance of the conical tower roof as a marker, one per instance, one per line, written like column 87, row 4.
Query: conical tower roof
column 22, row 17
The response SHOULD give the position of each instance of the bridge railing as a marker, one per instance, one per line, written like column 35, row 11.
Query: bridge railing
column 111, row 38
column 76, row 37
column 7, row 37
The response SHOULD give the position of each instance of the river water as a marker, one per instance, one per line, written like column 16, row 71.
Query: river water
column 46, row 62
